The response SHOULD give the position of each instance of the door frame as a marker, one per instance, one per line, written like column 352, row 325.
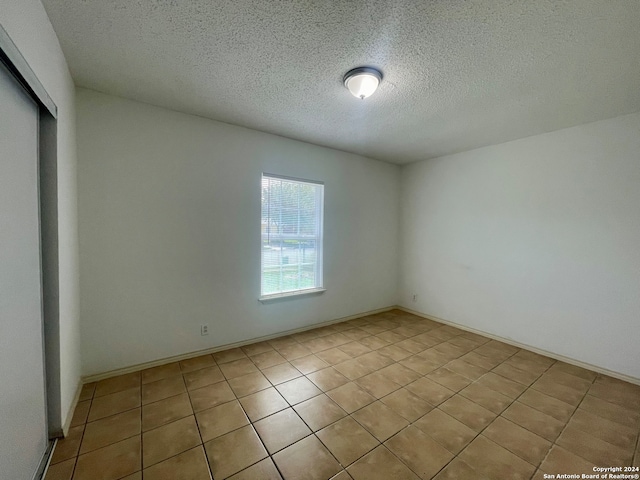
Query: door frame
column 17, row 65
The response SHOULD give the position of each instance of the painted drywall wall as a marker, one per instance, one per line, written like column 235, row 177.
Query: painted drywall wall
column 534, row 240
column 169, row 208
column 27, row 24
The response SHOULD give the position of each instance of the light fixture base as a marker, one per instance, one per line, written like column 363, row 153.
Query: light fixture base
column 362, row 81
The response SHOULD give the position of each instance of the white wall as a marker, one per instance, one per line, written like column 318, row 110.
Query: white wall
column 27, row 24
column 169, row 208
column 536, row 240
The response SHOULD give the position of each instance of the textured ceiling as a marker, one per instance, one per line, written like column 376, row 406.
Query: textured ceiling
column 457, row 74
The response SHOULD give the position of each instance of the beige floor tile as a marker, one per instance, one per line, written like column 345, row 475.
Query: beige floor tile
column 334, row 355
column 354, row 348
column 560, row 460
column 234, row 452
column 533, row 420
column 281, row 429
column 446, row 430
column 343, row 475
column 166, row 411
column 238, row 368
column 210, row 396
column 356, row 333
column 265, row 402
column 169, row 440
column 320, row 411
column 459, row 470
column 465, row 369
column 377, row 384
column 158, row 373
column 471, row 414
column 616, row 391
column 419, row 451
column 512, row 373
column 568, row 380
column 395, row 352
column 449, row 379
column 487, row 398
column 203, row 377
column 353, row 369
column 110, row 430
column 61, row 471
column 406, row 404
column 479, row 360
column 88, row 389
column 548, row 386
column 248, row 384
column 110, row 463
column 111, row 404
column 593, row 449
column 281, row 342
column 400, row 374
column 492, row 460
column 430, row 391
column 347, row 440
column 117, row 384
column 620, row 435
column 420, row 365
column 69, row 446
column 298, row 390
column 215, row 422
column 380, row 464
column 196, row 363
column 327, row 379
column 133, row 476
column 502, row 385
column 433, row 356
column 281, row 373
column 611, row 411
column 167, row 387
column 391, row 336
column 546, row 404
column 230, row 355
column 411, row 346
column 294, row 351
column 373, row 342
column 308, row 456
column 380, row 420
column 523, row 443
column 190, row 465
column 350, row 397
column 256, row 348
column 263, row 470
column 81, row 413
column 268, row 359
column 573, row 370
column 374, row 360
column 309, row 364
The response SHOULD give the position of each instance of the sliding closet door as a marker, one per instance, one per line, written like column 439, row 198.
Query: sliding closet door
column 23, row 423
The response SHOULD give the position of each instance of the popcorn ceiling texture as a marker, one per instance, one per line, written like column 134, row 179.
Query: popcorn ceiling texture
column 458, row 74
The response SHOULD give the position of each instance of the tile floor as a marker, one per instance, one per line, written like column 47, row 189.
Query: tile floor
column 388, row 396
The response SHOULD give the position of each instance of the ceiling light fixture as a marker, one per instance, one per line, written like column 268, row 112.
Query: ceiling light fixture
column 362, row 81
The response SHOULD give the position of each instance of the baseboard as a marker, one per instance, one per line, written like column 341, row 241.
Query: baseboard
column 562, row 358
column 163, row 361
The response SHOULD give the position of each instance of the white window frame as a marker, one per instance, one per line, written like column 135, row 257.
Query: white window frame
column 319, row 239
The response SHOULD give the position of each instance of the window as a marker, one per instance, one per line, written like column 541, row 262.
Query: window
column 291, row 259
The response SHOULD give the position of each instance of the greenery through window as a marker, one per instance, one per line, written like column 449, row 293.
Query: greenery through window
column 291, row 231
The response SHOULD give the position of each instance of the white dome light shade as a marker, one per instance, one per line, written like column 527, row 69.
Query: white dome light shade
column 363, row 81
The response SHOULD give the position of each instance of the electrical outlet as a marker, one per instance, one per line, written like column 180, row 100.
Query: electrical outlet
column 414, row 299
column 204, row 329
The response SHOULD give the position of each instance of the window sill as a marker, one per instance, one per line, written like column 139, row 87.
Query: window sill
column 291, row 295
